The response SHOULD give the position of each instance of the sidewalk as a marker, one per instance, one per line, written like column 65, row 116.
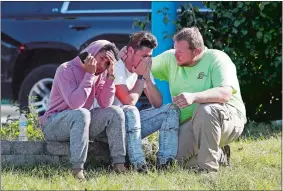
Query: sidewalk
column 9, row 110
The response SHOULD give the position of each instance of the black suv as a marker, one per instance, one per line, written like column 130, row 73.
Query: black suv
column 39, row 36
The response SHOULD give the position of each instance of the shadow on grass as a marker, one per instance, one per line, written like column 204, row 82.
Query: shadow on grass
column 261, row 131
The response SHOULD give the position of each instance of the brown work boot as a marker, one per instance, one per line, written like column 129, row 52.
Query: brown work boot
column 79, row 174
column 119, row 168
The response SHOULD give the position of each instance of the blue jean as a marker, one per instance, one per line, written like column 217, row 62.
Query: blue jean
column 140, row 124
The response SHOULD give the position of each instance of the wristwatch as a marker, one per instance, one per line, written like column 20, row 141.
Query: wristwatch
column 140, row 77
column 111, row 77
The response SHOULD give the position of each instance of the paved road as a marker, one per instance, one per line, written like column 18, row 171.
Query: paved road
column 7, row 110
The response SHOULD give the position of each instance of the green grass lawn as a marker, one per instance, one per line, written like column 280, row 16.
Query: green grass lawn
column 256, row 165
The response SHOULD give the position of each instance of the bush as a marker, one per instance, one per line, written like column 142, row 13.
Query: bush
column 250, row 33
column 10, row 130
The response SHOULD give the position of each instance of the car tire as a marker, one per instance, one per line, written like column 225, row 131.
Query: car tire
column 39, row 74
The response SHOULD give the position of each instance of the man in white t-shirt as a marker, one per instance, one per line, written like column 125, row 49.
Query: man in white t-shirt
column 132, row 77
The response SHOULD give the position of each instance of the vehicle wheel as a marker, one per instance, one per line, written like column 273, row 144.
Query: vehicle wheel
column 36, row 87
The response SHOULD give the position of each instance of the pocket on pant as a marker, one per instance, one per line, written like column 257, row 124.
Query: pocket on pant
column 236, row 133
column 234, row 129
column 239, row 124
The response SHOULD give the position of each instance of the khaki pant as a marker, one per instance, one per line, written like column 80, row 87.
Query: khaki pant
column 212, row 126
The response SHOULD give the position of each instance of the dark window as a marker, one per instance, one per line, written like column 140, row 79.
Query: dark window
column 108, row 5
column 17, row 8
column 116, row 5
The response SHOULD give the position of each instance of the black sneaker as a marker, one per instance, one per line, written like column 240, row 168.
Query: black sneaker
column 225, row 159
column 141, row 168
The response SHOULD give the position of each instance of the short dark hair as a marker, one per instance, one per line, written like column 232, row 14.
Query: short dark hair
column 110, row 47
column 192, row 36
column 142, row 39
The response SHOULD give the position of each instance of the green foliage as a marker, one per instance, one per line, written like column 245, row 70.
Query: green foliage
column 10, row 130
column 251, row 34
column 142, row 23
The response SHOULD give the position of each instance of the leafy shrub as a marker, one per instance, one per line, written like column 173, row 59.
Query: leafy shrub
column 10, row 130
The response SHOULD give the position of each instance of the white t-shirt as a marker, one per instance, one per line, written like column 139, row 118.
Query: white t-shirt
column 123, row 76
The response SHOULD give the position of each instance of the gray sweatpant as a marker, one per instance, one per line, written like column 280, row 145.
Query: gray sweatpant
column 80, row 125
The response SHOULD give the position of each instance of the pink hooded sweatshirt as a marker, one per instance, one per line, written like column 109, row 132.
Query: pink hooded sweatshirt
column 73, row 88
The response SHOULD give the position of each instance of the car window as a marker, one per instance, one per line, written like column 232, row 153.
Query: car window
column 107, row 5
column 116, row 5
column 29, row 8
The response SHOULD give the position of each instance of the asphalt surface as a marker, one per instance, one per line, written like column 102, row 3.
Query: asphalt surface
column 7, row 110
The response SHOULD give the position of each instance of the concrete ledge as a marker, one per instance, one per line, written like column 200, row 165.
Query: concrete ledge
column 27, row 148
column 5, row 147
column 22, row 148
column 46, row 152
column 29, row 159
column 57, row 148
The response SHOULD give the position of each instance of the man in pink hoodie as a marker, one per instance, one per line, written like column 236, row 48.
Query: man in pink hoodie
column 72, row 116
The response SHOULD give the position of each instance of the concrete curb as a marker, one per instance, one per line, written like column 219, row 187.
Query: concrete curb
column 45, row 152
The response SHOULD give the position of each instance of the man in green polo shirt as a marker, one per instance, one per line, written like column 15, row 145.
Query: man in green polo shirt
column 203, row 84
